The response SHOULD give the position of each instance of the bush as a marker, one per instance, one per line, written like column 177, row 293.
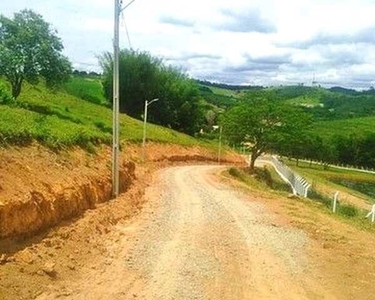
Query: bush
column 235, row 172
column 264, row 175
column 5, row 96
column 145, row 77
column 315, row 195
column 348, row 210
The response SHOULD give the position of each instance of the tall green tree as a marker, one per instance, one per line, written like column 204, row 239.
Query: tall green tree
column 263, row 125
column 145, row 77
column 30, row 49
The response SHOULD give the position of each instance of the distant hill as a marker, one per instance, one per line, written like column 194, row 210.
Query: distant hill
column 337, row 111
column 228, row 86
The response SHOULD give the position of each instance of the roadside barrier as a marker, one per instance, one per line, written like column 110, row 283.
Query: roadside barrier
column 299, row 185
column 372, row 214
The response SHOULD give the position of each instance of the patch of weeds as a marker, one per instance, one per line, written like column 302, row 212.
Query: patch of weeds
column 90, row 147
column 5, row 97
column 234, row 172
column 264, row 175
column 315, row 195
column 103, row 127
column 346, row 210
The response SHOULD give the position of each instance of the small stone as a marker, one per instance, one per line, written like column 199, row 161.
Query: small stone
column 66, row 293
column 49, row 269
column 47, row 243
column 108, row 262
column 3, row 259
column 11, row 259
column 65, row 235
column 30, row 261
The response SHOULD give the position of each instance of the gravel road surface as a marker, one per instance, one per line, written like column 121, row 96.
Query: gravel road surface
column 199, row 239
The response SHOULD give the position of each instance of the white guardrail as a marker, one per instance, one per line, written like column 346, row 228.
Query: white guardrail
column 298, row 184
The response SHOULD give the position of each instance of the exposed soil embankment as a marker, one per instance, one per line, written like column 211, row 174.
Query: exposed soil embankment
column 40, row 188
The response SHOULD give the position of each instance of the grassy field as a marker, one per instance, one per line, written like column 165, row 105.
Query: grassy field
column 345, row 127
column 255, row 183
column 226, row 92
column 358, row 184
column 58, row 119
column 89, row 89
column 308, row 101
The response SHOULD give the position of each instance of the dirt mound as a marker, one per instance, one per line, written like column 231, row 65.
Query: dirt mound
column 50, row 188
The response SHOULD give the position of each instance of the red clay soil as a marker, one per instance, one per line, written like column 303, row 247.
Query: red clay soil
column 40, row 188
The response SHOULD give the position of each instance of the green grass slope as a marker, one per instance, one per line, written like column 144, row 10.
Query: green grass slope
column 345, row 127
column 58, row 119
column 353, row 182
column 86, row 88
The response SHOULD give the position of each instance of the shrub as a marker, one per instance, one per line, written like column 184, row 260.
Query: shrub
column 5, row 96
column 264, row 175
column 348, row 210
column 235, row 172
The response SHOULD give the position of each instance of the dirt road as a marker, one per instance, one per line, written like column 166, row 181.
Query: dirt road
column 197, row 239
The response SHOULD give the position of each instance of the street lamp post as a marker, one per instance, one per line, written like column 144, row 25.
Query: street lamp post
column 221, row 132
column 220, row 143
column 144, row 127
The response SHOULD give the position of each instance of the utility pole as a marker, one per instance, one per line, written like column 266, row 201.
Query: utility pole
column 116, row 100
column 144, row 127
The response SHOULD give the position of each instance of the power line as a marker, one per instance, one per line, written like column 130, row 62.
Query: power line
column 127, row 31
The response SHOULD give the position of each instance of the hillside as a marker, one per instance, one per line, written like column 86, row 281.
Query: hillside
column 57, row 119
column 336, row 111
column 345, row 127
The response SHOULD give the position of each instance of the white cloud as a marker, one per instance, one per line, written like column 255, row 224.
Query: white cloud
column 227, row 41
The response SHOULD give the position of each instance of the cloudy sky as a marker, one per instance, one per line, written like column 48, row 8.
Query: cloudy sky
column 261, row 42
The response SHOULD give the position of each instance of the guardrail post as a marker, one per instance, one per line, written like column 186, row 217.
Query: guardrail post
column 335, row 198
column 372, row 213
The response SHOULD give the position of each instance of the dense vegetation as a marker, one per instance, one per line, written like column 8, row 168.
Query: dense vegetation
column 144, row 77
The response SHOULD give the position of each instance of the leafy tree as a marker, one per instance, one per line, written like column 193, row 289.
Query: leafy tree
column 263, row 125
column 144, row 77
column 30, row 49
